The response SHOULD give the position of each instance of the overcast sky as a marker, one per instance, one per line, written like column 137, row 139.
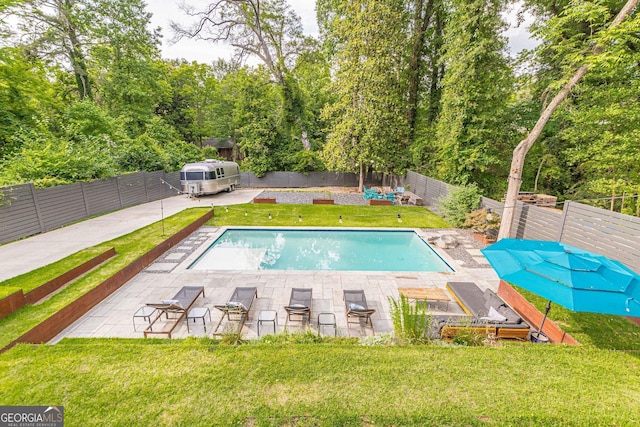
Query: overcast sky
column 202, row 51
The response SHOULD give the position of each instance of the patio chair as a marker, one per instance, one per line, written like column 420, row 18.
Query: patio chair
column 392, row 197
column 370, row 193
column 299, row 304
column 237, row 306
column 357, row 308
column 178, row 305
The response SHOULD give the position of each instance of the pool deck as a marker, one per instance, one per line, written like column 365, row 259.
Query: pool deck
column 163, row 278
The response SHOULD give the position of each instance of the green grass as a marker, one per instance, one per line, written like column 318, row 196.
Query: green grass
column 35, row 278
column 327, row 216
column 197, row 382
column 201, row 383
column 598, row 330
column 128, row 248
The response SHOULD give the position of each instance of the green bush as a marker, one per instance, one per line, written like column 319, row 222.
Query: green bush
column 459, row 202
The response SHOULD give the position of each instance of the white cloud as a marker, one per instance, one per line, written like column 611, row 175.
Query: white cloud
column 203, row 51
column 165, row 11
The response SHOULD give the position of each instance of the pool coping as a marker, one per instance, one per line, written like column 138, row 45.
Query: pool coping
column 443, row 255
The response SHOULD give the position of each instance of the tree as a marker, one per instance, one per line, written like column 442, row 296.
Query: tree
column 195, row 91
column 26, row 95
column 368, row 122
column 266, row 29
column 54, row 30
column 126, row 58
column 520, row 152
column 471, row 130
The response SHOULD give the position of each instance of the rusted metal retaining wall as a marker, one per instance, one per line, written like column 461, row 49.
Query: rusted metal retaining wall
column 52, row 326
column 14, row 303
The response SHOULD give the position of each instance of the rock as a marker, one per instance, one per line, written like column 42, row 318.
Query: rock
column 446, row 242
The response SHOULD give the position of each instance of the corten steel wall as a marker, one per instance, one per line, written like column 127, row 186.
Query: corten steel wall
column 52, row 326
column 25, row 210
column 17, row 300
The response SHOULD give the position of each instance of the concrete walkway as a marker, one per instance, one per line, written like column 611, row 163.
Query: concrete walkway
column 37, row 251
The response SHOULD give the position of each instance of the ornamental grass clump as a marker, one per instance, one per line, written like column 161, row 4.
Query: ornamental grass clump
column 410, row 322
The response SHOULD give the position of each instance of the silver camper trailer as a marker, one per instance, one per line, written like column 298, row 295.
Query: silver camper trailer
column 209, row 177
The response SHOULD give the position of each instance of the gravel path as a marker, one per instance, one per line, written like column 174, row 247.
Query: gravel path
column 306, row 197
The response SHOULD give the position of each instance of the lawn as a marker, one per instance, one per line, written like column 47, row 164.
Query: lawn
column 327, row 216
column 128, row 248
column 197, row 382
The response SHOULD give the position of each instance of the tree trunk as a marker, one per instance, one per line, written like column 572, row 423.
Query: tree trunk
column 535, row 184
column 520, row 152
column 361, row 181
column 76, row 56
column 420, row 24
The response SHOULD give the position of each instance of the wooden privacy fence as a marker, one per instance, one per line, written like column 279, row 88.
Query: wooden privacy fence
column 25, row 210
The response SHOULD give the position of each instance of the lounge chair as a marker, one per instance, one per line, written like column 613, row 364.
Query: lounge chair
column 356, row 307
column 299, row 304
column 486, row 311
column 179, row 305
column 238, row 306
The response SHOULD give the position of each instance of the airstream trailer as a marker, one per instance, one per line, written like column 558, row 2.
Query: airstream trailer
column 209, row 177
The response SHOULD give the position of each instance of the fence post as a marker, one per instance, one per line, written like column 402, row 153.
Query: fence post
column 144, row 182
column 84, row 199
column 563, row 219
column 34, row 197
column 118, row 188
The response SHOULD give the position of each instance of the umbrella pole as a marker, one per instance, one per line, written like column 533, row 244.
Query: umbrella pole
column 545, row 316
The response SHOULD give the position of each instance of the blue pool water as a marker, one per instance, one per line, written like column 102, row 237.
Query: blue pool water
column 337, row 250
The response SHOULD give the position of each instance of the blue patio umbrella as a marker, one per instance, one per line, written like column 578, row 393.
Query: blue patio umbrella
column 574, row 278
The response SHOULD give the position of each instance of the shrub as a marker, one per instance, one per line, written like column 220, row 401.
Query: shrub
column 480, row 221
column 459, row 202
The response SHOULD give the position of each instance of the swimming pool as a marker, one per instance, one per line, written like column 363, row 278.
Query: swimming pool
column 336, row 250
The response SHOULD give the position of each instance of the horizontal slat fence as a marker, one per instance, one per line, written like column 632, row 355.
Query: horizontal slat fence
column 608, row 233
column 18, row 213
column 61, row 205
column 25, row 210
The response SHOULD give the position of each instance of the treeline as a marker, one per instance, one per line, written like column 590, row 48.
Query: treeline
column 388, row 86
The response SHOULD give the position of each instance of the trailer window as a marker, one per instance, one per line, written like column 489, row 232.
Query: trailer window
column 220, row 172
column 192, row 176
column 209, row 175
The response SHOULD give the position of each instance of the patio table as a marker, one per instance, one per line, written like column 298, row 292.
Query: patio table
column 425, row 294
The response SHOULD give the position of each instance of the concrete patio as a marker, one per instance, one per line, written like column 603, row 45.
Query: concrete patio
column 162, row 279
